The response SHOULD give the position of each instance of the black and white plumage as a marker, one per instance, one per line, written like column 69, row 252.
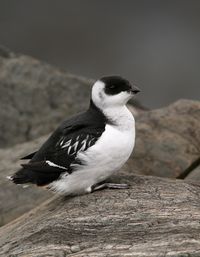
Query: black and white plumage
column 86, row 149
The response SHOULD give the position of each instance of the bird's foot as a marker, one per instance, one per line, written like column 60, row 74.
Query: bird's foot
column 101, row 186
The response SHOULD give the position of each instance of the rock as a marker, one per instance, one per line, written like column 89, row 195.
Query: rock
column 167, row 140
column 16, row 200
column 154, row 217
column 194, row 175
column 35, row 97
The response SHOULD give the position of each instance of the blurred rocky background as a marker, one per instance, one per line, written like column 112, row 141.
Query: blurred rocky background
column 153, row 43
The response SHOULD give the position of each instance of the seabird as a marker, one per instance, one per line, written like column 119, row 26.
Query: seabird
column 87, row 148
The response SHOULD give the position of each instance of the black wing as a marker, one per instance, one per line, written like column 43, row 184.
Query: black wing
column 60, row 151
column 63, row 150
column 29, row 156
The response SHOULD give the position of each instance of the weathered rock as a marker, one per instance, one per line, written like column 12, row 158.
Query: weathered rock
column 155, row 217
column 16, row 200
column 167, row 140
column 35, row 97
column 194, row 175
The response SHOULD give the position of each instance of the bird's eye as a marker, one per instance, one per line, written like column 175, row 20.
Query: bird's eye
column 112, row 86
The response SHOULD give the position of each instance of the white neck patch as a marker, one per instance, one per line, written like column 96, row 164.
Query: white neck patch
column 113, row 106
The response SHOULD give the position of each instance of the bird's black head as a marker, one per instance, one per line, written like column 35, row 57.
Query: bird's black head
column 116, row 84
column 112, row 91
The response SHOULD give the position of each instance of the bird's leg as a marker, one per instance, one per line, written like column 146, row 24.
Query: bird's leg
column 104, row 185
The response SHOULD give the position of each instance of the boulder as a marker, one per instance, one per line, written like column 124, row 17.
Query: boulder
column 15, row 199
column 154, row 217
column 194, row 174
column 35, row 97
column 167, row 140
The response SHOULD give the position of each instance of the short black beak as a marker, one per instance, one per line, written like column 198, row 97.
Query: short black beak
column 135, row 89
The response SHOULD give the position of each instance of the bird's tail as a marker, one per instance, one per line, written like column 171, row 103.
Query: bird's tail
column 22, row 176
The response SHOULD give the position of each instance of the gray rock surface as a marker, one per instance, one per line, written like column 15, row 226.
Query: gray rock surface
column 35, row 97
column 194, row 175
column 167, row 140
column 15, row 200
column 154, row 217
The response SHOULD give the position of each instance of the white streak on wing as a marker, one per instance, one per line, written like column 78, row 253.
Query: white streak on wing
column 9, row 177
column 25, row 186
column 67, row 144
column 83, row 145
column 55, row 165
column 90, row 142
column 71, row 151
column 84, row 142
column 75, row 145
column 61, row 143
column 68, row 150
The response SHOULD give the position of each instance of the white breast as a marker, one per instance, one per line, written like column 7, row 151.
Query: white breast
column 110, row 152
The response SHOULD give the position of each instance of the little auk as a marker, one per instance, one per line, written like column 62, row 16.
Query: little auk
column 87, row 148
